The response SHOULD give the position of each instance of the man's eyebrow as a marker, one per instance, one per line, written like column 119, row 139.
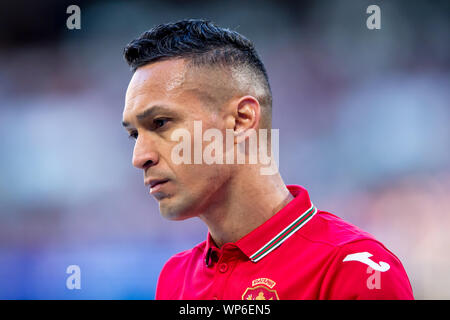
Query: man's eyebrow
column 150, row 112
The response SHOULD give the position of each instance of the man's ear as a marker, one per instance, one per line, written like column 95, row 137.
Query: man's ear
column 248, row 117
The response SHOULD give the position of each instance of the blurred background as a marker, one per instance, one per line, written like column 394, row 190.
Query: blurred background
column 363, row 118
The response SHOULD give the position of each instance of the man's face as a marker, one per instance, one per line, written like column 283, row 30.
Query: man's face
column 162, row 97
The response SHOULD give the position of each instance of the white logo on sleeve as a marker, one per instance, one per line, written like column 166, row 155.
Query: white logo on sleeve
column 363, row 257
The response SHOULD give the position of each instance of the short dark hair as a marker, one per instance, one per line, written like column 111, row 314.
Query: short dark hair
column 203, row 43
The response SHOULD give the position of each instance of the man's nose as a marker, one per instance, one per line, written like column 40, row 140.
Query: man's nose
column 144, row 154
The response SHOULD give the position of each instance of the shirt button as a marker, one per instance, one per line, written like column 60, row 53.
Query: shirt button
column 223, row 267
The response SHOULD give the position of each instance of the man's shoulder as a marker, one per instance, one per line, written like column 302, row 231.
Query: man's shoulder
column 333, row 231
column 357, row 262
column 332, row 234
column 175, row 269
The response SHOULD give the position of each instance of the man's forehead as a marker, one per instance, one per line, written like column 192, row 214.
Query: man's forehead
column 166, row 80
column 153, row 84
column 159, row 77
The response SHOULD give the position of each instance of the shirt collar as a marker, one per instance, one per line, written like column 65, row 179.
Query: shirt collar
column 272, row 233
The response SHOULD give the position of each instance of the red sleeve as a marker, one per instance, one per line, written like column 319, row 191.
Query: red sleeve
column 161, row 285
column 171, row 278
column 168, row 283
column 366, row 270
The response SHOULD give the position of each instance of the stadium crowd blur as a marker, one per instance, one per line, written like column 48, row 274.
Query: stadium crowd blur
column 363, row 118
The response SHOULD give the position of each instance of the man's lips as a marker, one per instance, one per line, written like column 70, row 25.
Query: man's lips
column 155, row 184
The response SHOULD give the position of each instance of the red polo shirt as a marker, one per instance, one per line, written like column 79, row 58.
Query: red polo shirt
column 299, row 253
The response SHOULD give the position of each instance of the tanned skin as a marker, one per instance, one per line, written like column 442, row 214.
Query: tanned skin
column 231, row 199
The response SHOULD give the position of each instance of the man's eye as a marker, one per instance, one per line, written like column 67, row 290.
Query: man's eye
column 158, row 123
column 133, row 135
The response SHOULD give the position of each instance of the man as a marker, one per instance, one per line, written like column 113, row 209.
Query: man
column 266, row 240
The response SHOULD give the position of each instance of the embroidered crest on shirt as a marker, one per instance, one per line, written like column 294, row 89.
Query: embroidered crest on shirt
column 261, row 289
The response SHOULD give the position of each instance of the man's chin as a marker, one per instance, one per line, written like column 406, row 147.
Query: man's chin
column 172, row 211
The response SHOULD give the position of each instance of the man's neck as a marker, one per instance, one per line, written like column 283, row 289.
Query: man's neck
column 244, row 204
